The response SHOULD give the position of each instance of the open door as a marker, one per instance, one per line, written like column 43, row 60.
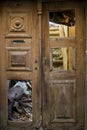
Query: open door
column 63, row 66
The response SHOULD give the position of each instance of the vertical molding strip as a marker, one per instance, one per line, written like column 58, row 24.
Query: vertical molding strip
column 39, row 9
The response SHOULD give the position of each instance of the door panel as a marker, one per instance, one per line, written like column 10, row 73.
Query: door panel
column 20, row 66
column 62, row 95
column 63, row 68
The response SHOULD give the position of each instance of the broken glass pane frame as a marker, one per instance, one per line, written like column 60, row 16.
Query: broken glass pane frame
column 63, row 58
column 20, row 100
column 62, row 23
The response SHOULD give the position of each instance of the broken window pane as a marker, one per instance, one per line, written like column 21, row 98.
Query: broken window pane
column 62, row 23
column 63, row 58
column 20, row 100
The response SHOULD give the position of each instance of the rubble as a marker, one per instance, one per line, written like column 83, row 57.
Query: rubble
column 20, row 101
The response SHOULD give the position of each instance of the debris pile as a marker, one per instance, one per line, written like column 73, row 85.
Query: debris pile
column 20, row 101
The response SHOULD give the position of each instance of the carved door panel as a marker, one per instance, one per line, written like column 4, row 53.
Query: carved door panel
column 63, row 66
column 20, row 65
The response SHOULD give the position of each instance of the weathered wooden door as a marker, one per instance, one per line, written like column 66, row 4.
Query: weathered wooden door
column 44, row 51
column 19, row 65
column 63, row 66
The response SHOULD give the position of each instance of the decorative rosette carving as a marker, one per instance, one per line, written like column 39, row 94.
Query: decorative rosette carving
column 17, row 24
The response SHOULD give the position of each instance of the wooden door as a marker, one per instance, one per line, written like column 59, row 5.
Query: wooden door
column 19, row 65
column 63, row 66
